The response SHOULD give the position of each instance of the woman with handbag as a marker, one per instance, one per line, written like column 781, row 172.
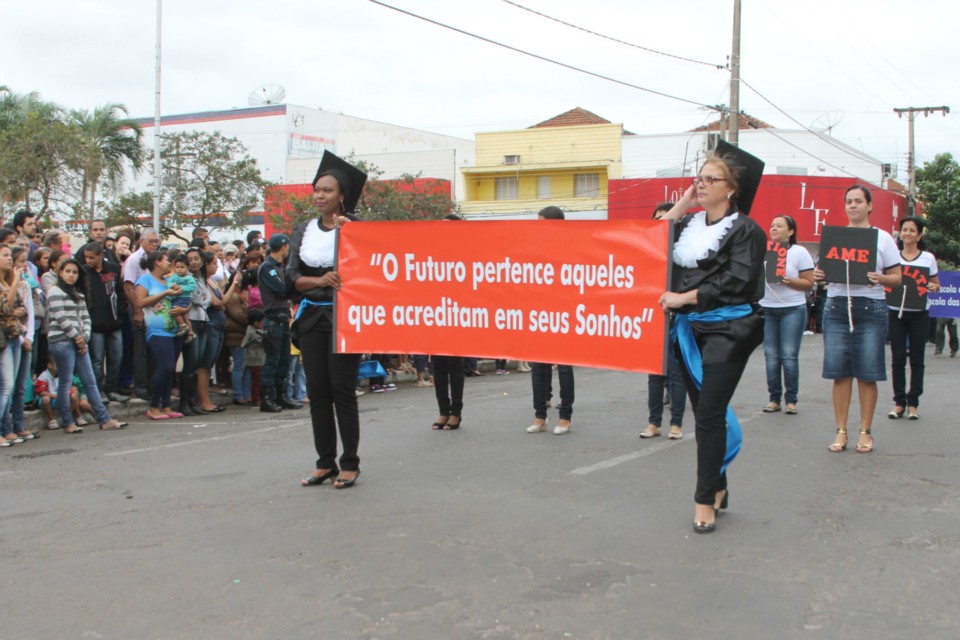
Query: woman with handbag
column 330, row 376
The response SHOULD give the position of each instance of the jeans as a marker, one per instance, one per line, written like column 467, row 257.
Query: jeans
column 296, row 380
column 165, row 350
column 109, row 345
column 914, row 326
column 69, row 362
column 277, row 363
column 13, row 418
column 240, row 376
column 9, row 362
column 678, row 393
column 541, row 378
column 782, row 331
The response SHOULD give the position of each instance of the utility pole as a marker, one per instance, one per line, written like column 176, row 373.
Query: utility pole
column 156, row 129
column 911, row 164
column 735, row 78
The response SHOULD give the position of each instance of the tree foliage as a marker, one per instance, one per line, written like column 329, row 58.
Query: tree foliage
column 208, row 180
column 938, row 188
column 404, row 198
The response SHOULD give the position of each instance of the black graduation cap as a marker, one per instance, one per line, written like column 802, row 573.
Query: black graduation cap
column 350, row 178
column 750, row 176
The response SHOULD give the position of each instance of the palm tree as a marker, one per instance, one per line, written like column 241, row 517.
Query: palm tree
column 111, row 140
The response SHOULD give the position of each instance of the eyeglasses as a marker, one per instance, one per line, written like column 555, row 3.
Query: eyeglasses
column 708, row 180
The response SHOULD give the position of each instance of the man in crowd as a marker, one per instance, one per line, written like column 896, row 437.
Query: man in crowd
column 103, row 294
column 24, row 223
column 149, row 242
column 274, row 288
column 98, row 233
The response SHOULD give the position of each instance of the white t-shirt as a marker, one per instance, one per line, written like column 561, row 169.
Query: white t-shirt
column 887, row 256
column 778, row 295
column 925, row 259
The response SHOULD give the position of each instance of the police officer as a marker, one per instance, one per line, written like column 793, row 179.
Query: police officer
column 274, row 287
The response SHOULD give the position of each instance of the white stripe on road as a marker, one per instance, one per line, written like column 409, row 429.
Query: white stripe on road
column 187, row 443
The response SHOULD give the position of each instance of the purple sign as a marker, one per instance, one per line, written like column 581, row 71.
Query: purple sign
column 946, row 303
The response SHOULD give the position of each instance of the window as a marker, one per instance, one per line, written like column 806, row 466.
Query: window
column 506, row 188
column 586, row 185
column 511, row 159
column 543, row 187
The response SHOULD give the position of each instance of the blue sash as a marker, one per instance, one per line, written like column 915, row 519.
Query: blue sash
column 309, row 303
column 682, row 332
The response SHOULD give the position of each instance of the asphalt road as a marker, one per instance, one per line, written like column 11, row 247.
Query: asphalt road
column 201, row 530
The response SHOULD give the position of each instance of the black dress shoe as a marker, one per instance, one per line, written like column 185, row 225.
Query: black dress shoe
column 269, row 406
column 288, row 403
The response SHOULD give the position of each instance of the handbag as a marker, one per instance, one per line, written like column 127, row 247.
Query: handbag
column 371, row 369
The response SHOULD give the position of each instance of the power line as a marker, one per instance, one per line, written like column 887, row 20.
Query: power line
column 545, row 59
column 629, row 44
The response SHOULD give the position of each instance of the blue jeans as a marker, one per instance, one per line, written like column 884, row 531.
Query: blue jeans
column 782, row 332
column 69, row 362
column 240, row 375
column 13, row 418
column 165, row 350
column 109, row 345
column 296, row 380
column 9, row 362
column 678, row 393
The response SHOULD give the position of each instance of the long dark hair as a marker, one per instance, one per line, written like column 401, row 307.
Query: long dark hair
column 70, row 289
column 203, row 261
column 920, row 224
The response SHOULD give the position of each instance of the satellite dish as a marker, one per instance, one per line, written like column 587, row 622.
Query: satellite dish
column 267, row 94
column 826, row 122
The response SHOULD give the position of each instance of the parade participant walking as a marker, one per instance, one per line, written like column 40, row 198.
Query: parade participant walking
column 785, row 318
column 717, row 280
column 909, row 327
column 855, row 328
column 331, row 377
column 274, row 289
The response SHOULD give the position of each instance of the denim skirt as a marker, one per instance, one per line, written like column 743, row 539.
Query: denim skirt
column 859, row 354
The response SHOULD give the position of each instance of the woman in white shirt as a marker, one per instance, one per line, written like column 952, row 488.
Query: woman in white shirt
column 912, row 324
column 855, row 328
column 785, row 317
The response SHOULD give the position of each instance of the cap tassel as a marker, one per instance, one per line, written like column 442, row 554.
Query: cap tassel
column 849, row 298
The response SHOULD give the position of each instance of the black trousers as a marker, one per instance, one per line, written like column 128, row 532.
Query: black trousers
column 916, row 326
column 541, row 379
column 448, row 384
column 331, row 387
column 710, row 411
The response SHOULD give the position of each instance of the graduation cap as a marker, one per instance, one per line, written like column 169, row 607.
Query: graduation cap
column 350, row 178
column 752, row 172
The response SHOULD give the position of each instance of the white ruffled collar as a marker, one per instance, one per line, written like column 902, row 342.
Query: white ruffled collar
column 699, row 238
column 318, row 246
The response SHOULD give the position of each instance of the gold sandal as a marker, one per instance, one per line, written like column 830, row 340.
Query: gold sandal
column 836, row 447
column 865, row 447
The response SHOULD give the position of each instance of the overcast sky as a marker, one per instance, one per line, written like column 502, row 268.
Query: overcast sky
column 824, row 62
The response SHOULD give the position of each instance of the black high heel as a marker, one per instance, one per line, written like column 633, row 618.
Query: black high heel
column 453, row 427
column 725, row 502
column 438, row 425
column 314, row 481
column 346, row 484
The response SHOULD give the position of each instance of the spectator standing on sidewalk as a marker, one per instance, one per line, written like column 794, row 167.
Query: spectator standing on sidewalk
column 132, row 270
column 102, row 282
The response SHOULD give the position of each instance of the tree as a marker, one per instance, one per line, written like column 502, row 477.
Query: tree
column 406, row 198
column 130, row 210
column 208, row 179
column 109, row 143
column 938, row 188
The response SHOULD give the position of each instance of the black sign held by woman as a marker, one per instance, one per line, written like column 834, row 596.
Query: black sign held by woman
column 775, row 261
column 911, row 295
column 848, row 252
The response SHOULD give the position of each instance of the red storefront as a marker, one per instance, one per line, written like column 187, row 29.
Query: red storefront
column 812, row 201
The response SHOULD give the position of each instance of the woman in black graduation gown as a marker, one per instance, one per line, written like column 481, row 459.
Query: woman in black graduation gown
column 717, row 279
column 331, row 377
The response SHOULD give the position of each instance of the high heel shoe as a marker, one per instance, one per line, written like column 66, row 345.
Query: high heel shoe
column 314, row 481
column 723, row 503
column 346, row 484
column 453, row 427
column 865, row 447
column 836, row 447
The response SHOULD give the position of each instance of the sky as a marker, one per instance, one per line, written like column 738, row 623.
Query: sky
column 840, row 63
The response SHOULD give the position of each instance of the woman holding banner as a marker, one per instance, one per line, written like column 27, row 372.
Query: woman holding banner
column 912, row 324
column 855, row 328
column 717, row 280
column 785, row 317
column 331, row 377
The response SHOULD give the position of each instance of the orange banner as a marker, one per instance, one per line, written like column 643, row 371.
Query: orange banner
column 559, row 291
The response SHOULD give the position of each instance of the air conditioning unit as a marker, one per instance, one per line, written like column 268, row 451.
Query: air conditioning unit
column 889, row 170
column 511, row 159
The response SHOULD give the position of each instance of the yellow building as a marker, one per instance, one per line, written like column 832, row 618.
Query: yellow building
column 564, row 161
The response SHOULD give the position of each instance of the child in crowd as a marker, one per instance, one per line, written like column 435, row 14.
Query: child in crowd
column 46, row 389
column 182, row 278
column 254, row 351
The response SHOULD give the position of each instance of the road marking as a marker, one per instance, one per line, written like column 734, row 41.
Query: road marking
column 613, row 462
column 188, row 443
